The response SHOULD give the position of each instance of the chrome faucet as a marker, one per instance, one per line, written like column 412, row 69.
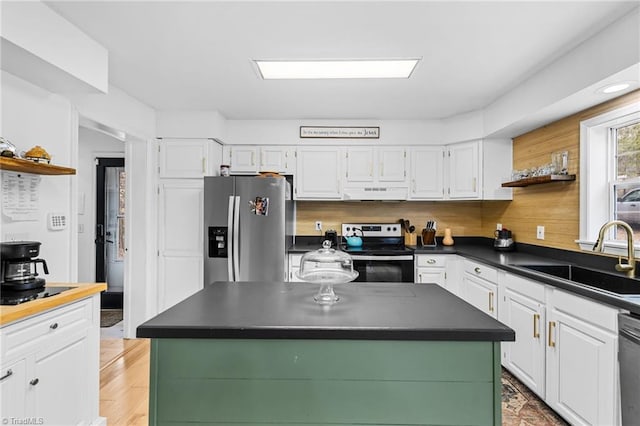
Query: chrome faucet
column 630, row 266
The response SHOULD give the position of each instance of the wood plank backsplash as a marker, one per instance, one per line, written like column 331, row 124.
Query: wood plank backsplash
column 554, row 205
column 463, row 217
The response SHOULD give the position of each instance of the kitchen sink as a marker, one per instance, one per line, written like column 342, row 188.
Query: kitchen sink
column 604, row 281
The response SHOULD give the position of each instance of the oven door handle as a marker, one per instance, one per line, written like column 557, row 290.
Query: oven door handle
column 364, row 257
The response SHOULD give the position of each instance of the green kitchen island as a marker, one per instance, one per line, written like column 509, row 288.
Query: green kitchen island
column 258, row 353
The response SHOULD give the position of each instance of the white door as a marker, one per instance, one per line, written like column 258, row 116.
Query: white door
column 525, row 357
column 244, row 159
column 318, row 173
column 279, row 159
column 180, row 240
column 464, row 168
column 359, row 164
column 427, row 173
column 183, row 158
column 12, row 390
column 581, row 370
column 59, row 382
column 480, row 293
column 392, row 164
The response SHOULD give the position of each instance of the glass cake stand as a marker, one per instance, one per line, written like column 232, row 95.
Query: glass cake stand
column 327, row 267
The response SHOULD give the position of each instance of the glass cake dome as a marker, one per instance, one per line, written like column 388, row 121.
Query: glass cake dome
column 327, row 267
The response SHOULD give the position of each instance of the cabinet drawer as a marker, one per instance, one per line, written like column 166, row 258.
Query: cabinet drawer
column 34, row 331
column 426, row 261
column 481, row 270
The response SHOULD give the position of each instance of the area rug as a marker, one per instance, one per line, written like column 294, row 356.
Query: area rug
column 110, row 317
column 521, row 407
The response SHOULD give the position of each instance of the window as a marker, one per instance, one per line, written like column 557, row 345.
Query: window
column 610, row 177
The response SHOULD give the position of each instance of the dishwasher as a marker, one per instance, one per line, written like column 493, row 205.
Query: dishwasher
column 629, row 358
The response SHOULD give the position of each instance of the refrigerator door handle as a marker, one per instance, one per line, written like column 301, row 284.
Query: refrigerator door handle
column 236, row 239
column 230, row 239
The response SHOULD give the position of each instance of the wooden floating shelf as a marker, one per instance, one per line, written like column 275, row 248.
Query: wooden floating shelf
column 27, row 166
column 537, row 180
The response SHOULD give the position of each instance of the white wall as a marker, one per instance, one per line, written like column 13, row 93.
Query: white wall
column 91, row 144
column 287, row 132
column 32, row 116
column 190, row 124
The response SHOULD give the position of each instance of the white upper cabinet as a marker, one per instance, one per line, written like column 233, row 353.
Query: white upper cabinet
column 464, row 166
column 183, row 158
column 427, row 173
column 375, row 165
column 392, row 164
column 359, row 164
column 188, row 158
column 318, row 173
column 253, row 159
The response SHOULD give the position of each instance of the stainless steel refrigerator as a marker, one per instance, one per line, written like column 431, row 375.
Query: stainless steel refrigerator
column 248, row 223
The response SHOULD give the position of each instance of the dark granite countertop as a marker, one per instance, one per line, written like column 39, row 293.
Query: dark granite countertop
column 481, row 249
column 365, row 311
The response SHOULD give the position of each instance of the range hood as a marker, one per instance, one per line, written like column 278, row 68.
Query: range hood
column 372, row 193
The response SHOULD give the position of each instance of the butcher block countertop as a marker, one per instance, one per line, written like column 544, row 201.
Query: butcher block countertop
column 10, row 313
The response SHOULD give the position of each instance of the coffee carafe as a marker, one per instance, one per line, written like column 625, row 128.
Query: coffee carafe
column 18, row 265
column 504, row 240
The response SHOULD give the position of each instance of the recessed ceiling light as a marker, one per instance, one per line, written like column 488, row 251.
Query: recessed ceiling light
column 616, row 87
column 342, row 68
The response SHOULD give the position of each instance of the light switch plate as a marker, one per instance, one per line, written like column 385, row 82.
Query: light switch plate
column 540, row 232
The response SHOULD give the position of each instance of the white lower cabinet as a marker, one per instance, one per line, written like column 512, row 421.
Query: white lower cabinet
column 480, row 287
column 565, row 350
column 582, row 367
column 50, row 369
column 523, row 309
column 431, row 269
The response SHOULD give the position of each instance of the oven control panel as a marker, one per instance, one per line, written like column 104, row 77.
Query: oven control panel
column 372, row 229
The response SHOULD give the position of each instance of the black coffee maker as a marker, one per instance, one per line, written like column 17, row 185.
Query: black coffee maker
column 18, row 265
column 332, row 236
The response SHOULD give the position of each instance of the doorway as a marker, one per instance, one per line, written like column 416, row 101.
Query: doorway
column 110, row 228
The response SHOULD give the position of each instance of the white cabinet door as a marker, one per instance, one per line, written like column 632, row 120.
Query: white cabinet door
column 183, row 158
column 180, row 241
column 244, row 159
column 294, row 267
column 359, row 162
column 318, row 173
column 427, row 173
column 431, row 276
column 12, row 390
column 464, row 168
column 480, row 293
column 525, row 357
column 581, row 369
column 392, row 164
column 59, row 381
column 280, row 159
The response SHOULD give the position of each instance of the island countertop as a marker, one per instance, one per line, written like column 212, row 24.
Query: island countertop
column 286, row 310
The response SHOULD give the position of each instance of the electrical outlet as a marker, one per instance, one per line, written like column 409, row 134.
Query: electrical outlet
column 318, row 225
column 499, row 226
column 540, row 232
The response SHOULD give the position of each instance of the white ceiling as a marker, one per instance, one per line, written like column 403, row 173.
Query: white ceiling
column 175, row 55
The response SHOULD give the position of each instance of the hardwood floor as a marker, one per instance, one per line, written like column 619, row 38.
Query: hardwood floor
column 124, row 381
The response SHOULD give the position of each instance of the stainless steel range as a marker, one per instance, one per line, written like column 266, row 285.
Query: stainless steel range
column 378, row 252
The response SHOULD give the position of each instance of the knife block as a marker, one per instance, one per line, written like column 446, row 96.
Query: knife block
column 428, row 237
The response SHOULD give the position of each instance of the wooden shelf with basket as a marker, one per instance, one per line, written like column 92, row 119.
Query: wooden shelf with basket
column 28, row 166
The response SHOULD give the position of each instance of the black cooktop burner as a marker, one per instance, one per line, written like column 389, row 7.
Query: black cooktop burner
column 15, row 297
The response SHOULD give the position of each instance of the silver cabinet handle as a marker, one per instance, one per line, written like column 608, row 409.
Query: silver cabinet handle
column 431, row 261
column 7, row 374
column 34, row 381
column 53, row 326
column 477, row 270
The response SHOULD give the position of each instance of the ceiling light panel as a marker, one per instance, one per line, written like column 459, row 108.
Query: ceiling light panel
column 331, row 69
